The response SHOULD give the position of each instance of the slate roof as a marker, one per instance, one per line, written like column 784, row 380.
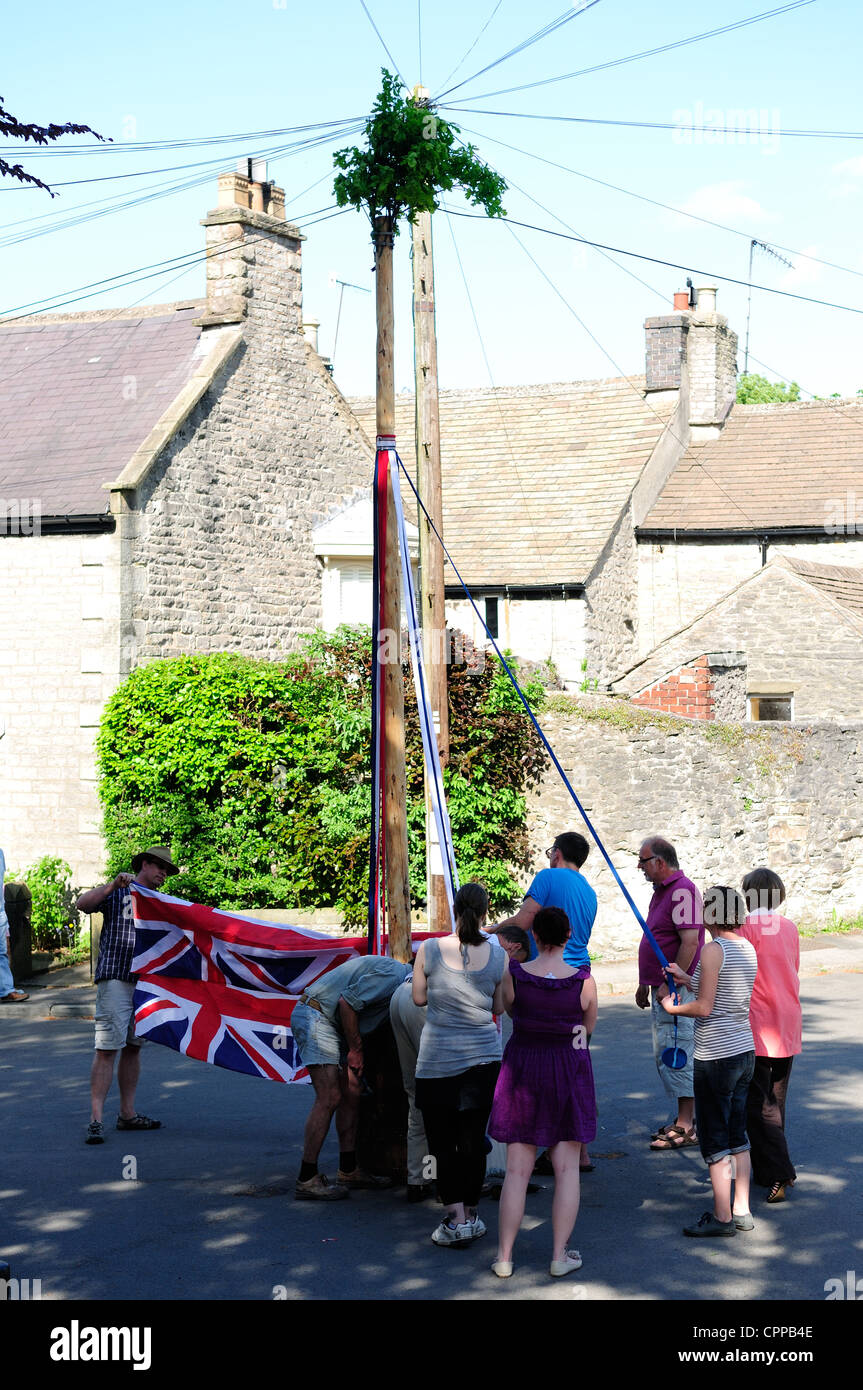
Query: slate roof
column 772, row 466
column 843, row 583
column 534, row 477
column 78, row 395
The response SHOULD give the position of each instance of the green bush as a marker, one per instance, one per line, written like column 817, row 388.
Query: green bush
column 258, row 774
column 53, row 915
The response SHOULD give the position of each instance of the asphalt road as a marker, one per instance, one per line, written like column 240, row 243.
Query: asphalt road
column 204, row 1209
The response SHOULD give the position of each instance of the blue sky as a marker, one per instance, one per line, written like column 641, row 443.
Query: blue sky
column 168, row 71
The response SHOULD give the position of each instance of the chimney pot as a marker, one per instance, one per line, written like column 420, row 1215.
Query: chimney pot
column 705, row 299
column 681, row 300
column 310, row 332
column 234, row 191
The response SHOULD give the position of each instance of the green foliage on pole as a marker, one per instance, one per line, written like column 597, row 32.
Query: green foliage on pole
column 411, row 156
column 258, row 774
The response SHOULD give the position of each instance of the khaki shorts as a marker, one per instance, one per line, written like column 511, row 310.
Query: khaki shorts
column 115, row 1016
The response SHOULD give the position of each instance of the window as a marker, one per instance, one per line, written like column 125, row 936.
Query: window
column 763, row 708
column 491, row 616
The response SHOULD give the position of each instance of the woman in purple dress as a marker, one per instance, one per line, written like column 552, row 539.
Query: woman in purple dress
column 544, row 1096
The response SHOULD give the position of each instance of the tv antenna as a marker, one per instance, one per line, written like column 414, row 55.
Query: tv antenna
column 344, row 285
column 756, row 245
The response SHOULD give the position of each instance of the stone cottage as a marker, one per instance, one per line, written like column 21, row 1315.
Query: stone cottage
column 596, row 521
column 168, row 466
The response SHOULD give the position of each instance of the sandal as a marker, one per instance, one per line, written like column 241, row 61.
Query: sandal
column 675, row 1137
column 777, row 1191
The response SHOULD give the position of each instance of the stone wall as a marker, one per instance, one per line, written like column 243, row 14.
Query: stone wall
column 711, row 356
column 730, row 798
column 59, row 643
column 678, row 581
column 612, row 606
column 795, row 641
column 222, row 548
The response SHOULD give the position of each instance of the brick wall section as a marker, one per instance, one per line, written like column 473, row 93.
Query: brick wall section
column 221, row 546
column 786, row 795
column 687, row 691
column 665, row 350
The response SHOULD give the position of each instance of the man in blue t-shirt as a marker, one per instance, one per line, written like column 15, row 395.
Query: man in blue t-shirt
column 562, row 885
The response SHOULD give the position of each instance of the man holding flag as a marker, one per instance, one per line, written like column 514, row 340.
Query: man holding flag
column 115, row 990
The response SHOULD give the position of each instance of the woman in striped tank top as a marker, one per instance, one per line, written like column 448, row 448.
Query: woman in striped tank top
column 724, row 1059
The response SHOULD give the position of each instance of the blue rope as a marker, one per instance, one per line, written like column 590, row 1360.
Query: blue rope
column 518, row 690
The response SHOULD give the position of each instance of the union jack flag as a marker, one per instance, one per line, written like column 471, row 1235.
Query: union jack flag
column 222, row 988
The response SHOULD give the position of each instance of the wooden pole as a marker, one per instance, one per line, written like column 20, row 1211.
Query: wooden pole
column 432, row 609
column 395, row 792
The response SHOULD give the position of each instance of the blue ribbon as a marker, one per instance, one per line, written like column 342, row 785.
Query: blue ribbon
column 518, row 690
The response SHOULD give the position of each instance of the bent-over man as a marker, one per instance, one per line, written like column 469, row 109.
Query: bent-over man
column 329, row 1024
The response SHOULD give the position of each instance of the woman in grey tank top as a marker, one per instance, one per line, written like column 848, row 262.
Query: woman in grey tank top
column 459, row 979
column 724, row 1059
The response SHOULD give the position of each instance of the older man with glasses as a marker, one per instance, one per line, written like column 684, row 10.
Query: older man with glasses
column 675, row 919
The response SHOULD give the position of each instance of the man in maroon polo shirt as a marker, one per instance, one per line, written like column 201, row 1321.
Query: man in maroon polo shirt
column 675, row 919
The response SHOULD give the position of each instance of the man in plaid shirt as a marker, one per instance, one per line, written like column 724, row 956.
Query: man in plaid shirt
column 115, row 990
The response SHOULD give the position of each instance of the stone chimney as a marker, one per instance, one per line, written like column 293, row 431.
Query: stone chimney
column 692, row 351
column 253, row 254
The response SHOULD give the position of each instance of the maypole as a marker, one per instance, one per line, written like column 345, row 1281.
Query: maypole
column 410, row 157
column 388, row 652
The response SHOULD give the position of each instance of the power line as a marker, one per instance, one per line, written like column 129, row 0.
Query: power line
column 473, row 45
column 78, row 216
column 496, row 397
column 572, row 12
column 139, row 273
column 144, row 146
column 667, row 125
column 654, row 202
column 647, row 52
column 673, row 265
column 698, row 463
column 383, row 43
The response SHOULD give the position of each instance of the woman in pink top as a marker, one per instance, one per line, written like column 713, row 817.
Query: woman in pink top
column 776, row 1021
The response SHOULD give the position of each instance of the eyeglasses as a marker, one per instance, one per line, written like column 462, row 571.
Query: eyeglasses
column 550, row 852
column 647, row 859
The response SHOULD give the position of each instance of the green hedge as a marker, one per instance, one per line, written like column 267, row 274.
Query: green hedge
column 258, row 774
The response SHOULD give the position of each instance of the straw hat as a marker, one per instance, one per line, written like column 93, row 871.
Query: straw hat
column 162, row 853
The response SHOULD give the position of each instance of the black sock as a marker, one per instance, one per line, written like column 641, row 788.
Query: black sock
column 307, row 1170
column 347, row 1160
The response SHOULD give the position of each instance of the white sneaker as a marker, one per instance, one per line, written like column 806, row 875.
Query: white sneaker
column 570, row 1262
column 445, row 1234
column 502, row 1268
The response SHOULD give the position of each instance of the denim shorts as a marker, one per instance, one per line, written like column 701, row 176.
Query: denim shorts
column 721, row 1088
column 319, row 1042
